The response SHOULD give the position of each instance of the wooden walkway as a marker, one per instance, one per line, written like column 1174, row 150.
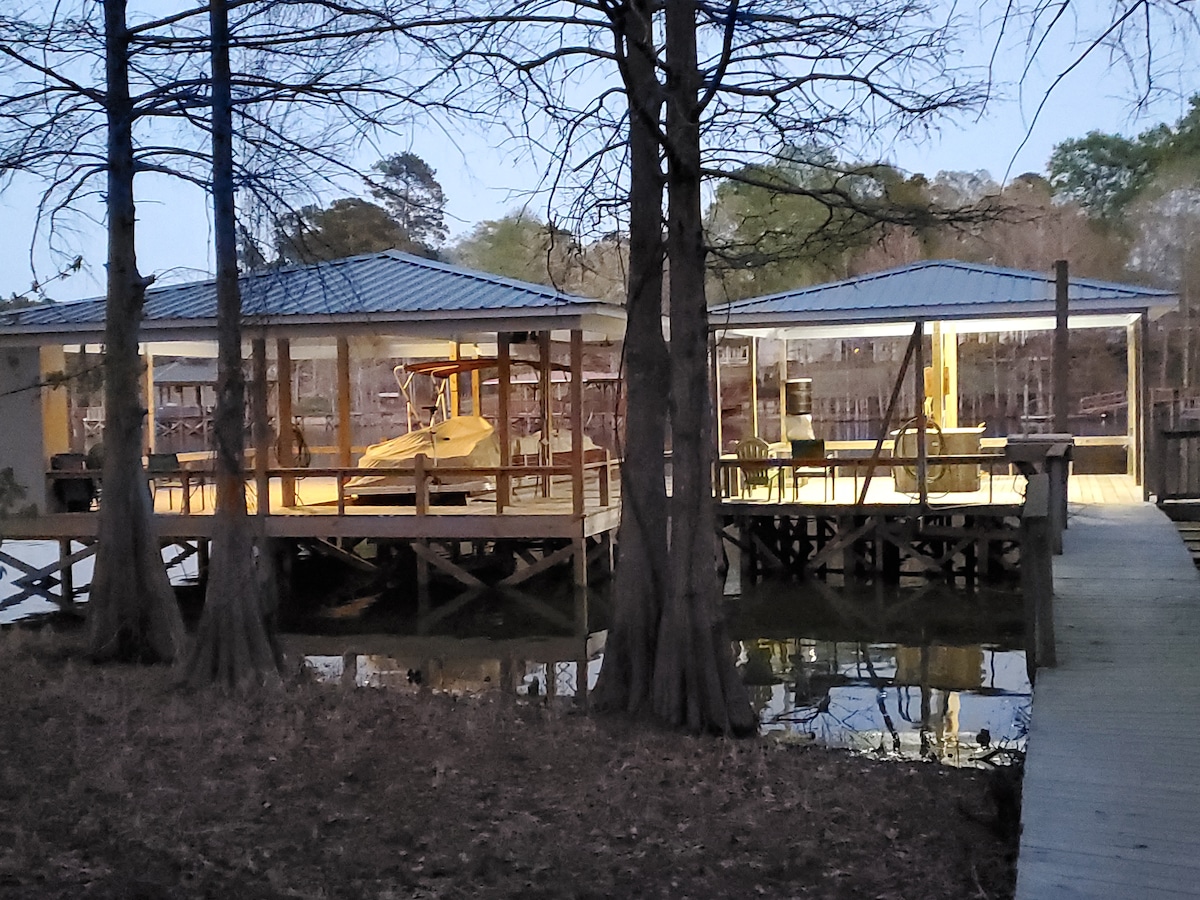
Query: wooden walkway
column 1112, row 788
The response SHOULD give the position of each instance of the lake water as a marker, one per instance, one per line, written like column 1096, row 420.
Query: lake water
column 918, row 671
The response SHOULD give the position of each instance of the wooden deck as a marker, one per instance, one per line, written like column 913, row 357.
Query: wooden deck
column 1111, row 797
column 1000, row 489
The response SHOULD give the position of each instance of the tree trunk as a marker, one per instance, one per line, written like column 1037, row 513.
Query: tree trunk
column 234, row 647
column 641, row 574
column 696, row 684
column 132, row 614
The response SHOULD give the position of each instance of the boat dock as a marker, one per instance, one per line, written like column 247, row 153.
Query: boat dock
column 1111, row 804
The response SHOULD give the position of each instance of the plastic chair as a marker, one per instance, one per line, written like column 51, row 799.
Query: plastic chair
column 752, row 455
column 163, row 470
column 809, row 451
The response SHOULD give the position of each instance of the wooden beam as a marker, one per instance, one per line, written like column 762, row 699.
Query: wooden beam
column 783, row 391
column 1062, row 350
column 545, row 454
column 950, row 378
column 714, row 356
column 577, row 422
column 754, row 387
column 504, row 379
column 261, row 431
column 455, row 400
column 344, row 437
column 283, row 418
column 919, row 390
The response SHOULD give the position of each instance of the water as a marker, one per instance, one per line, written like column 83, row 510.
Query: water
column 915, row 672
column 17, row 602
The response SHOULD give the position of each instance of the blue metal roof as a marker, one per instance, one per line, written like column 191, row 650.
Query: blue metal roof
column 391, row 284
column 932, row 290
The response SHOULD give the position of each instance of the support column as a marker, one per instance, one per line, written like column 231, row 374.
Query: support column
column 504, row 377
column 344, row 437
column 950, row 375
column 919, row 390
column 261, row 431
column 754, row 387
column 283, row 395
column 935, row 386
column 577, row 479
column 455, row 401
column 545, row 448
column 1135, row 427
column 150, row 439
column 1062, row 351
column 714, row 358
column 783, row 391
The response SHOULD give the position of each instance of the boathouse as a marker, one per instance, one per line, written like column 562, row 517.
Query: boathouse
column 927, row 488
column 548, row 498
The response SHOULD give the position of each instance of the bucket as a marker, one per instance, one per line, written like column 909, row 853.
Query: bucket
column 798, row 397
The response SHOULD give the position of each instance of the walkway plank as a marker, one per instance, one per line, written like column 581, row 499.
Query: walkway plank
column 1112, row 793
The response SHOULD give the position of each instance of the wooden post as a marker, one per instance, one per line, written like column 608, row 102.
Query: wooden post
column 1136, row 343
column 919, row 391
column 344, row 438
column 476, row 389
column 545, row 448
column 504, row 482
column 714, row 357
column 1062, row 350
column 950, row 377
column 66, row 574
column 261, row 430
column 937, row 365
column 754, row 387
column 455, row 402
column 782, row 402
column 283, row 417
column 1037, row 574
column 1058, row 460
column 151, row 438
column 421, row 500
column 577, row 481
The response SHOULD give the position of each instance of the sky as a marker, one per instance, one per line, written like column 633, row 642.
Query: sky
column 482, row 182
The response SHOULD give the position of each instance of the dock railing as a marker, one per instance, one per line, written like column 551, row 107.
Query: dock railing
column 728, row 470
column 419, row 480
column 1037, row 572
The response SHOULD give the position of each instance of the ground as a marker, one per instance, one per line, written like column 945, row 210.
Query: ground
column 115, row 784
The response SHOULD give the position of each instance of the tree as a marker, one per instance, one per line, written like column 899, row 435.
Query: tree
column 766, row 73
column 522, row 247
column 61, row 126
column 408, row 188
column 346, row 227
column 132, row 614
column 234, row 647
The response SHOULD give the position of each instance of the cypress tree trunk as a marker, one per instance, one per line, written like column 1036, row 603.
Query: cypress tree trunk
column 234, row 645
column 132, row 614
column 641, row 578
column 696, row 684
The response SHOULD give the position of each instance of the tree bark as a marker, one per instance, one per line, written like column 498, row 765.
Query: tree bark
column 235, row 647
column 641, row 577
column 696, row 684
column 132, row 613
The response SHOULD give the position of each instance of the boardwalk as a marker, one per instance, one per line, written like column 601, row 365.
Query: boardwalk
column 1112, row 798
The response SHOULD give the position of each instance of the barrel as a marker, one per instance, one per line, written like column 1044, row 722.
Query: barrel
column 798, row 398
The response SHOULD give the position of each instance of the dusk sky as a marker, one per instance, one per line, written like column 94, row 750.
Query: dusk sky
column 483, row 183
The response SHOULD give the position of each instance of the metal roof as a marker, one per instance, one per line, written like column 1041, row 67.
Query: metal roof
column 936, row 290
column 361, row 292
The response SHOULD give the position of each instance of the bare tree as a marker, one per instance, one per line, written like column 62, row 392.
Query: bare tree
column 61, row 126
column 733, row 81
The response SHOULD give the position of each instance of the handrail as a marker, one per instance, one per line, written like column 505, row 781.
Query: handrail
column 421, row 472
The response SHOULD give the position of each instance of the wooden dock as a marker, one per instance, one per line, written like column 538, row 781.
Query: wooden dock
column 1111, row 797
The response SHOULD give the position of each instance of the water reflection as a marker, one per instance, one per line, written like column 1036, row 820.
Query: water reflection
column 955, row 704
column 919, row 671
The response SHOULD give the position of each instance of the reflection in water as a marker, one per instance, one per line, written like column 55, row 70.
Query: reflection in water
column 950, row 703
column 919, row 672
